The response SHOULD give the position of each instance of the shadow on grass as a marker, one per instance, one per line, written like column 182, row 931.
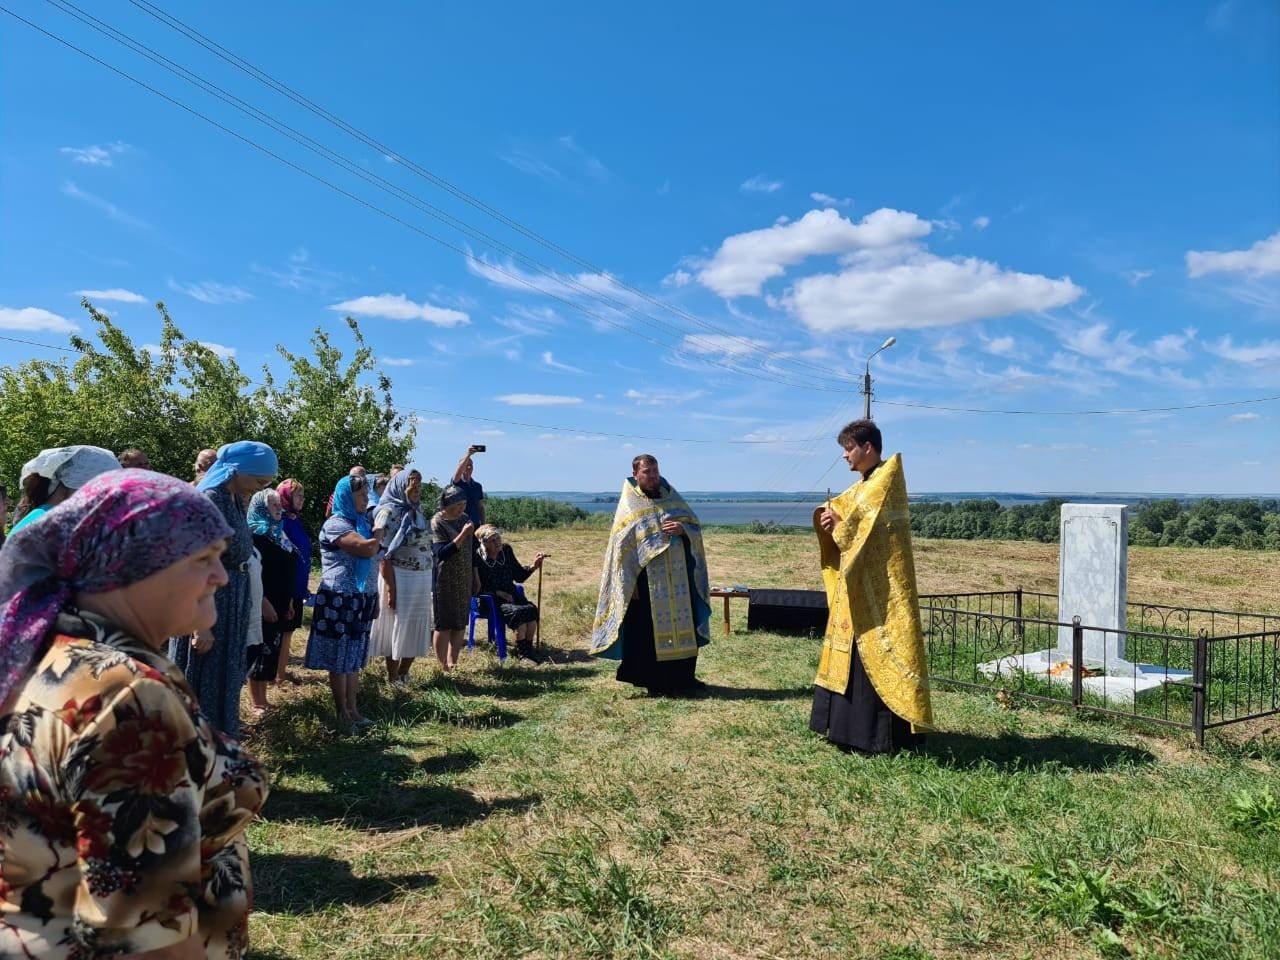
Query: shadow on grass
column 388, row 808
column 715, row 691
column 521, row 682
column 301, row 884
column 1012, row 752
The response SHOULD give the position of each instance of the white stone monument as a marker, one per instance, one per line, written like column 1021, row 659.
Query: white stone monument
column 1093, row 568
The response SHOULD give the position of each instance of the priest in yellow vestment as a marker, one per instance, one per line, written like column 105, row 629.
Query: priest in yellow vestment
column 872, row 689
column 654, row 609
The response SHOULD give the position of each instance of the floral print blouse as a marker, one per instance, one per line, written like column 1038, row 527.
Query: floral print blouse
column 122, row 812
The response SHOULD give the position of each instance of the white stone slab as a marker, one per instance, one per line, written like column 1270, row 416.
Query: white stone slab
column 1093, row 567
column 1120, row 690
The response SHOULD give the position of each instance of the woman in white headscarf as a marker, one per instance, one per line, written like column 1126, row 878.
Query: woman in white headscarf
column 55, row 474
column 402, row 632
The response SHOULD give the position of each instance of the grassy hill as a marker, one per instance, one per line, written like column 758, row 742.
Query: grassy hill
column 550, row 811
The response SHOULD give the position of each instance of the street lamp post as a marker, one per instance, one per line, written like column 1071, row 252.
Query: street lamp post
column 866, row 380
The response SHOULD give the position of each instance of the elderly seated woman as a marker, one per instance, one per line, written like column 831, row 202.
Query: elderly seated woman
column 124, row 811
column 54, row 474
column 499, row 572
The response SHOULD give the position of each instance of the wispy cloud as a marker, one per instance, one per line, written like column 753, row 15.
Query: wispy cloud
column 106, row 206
column 397, row 361
column 563, row 160
column 212, row 292
column 982, row 222
column 827, row 200
column 589, row 163
column 662, row 398
column 1265, row 352
column 536, row 400
column 33, row 319
column 301, row 274
column 760, row 184
column 95, row 155
column 396, row 306
column 721, row 344
column 1136, row 277
column 528, row 163
column 555, row 364
column 115, row 294
column 677, row 278
column 1245, row 417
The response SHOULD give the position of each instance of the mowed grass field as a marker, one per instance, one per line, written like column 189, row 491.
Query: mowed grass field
column 514, row 811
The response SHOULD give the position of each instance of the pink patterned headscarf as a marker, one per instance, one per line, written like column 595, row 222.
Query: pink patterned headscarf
column 119, row 528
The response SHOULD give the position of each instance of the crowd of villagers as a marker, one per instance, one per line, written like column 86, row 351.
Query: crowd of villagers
column 136, row 606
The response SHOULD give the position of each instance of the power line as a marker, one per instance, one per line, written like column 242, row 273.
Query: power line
column 381, row 183
column 516, row 278
column 442, row 183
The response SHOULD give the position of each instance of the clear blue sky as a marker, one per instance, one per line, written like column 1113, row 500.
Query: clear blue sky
column 1053, row 207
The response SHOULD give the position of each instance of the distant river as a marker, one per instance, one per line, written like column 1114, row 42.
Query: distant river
column 796, row 509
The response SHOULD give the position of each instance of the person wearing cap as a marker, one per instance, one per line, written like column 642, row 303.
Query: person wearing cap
column 55, row 474
column 213, row 659
column 454, row 574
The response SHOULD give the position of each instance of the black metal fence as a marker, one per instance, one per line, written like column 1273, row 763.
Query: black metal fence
column 1185, row 667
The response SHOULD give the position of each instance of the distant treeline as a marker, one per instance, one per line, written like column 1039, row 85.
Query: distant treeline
column 531, row 513
column 1247, row 524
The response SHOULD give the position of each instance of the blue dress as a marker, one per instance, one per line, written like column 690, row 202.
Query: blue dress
column 217, row 676
column 344, row 611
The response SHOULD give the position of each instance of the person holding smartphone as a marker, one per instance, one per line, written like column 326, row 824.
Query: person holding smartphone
column 462, row 478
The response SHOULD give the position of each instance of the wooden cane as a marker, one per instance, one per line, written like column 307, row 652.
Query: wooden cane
column 537, row 627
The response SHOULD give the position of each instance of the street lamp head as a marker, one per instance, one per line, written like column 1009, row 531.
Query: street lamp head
column 888, row 343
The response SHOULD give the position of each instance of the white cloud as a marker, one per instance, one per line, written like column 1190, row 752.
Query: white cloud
column 746, row 261
column 224, row 352
column 528, row 163
column 1136, row 277
column 396, row 306
column 397, row 361
column 209, row 291
column 115, row 294
column 490, row 432
column 658, row 398
column 1260, row 259
column 921, row 290
column 106, row 206
column 555, row 364
column 301, row 274
column 982, row 222
column 536, row 400
column 590, row 164
column 679, row 278
column 1244, row 417
column 722, row 344
column 1263, row 352
column 94, row 155
column 827, row 200
column 33, row 319
column 579, row 286
column 760, row 184
column 1001, row 346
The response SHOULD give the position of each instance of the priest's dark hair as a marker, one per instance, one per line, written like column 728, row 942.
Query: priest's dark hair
column 859, row 432
column 644, row 458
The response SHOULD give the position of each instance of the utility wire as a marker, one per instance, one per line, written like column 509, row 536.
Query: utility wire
column 514, row 277
column 261, row 76
column 414, row 200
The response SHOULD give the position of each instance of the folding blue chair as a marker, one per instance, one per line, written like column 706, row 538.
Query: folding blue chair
column 497, row 633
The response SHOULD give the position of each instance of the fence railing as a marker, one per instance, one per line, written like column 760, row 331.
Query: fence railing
column 1185, row 667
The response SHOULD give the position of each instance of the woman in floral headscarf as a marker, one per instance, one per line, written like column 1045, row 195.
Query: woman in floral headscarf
column 402, row 631
column 345, row 605
column 279, row 564
column 123, row 809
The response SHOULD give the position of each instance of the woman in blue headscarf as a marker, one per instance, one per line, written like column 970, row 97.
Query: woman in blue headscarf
column 402, row 632
column 214, row 660
column 346, row 601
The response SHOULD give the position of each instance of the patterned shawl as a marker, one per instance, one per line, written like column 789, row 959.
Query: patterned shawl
column 397, row 514
column 117, row 529
column 263, row 524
